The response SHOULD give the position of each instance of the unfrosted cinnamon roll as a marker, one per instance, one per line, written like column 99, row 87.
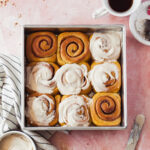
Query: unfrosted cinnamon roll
column 105, row 109
column 73, row 47
column 74, row 111
column 40, row 77
column 72, row 79
column 105, row 46
column 41, row 46
column 41, row 110
column 105, row 77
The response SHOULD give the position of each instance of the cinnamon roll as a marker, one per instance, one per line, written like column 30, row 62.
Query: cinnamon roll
column 40, row 77
column 74, row 111
column 73, row 47
column 106, row 109
column 41, row 46
column 105, row 77
column 41, row 110
column 105, row 46
column 72, row 79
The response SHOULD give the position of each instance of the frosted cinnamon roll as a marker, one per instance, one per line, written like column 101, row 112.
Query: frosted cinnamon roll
column 105, row 77
column 105, row 109
column 41, row 110
column 40, row 77
column 72, row 79
column 74, row 111
column 73, row 47
column 105, row 46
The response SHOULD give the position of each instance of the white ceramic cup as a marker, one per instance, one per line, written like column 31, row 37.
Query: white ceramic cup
column 107, row 9
column 20, row 133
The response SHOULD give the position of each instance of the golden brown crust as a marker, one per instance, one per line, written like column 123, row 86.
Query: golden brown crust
column 41, row 46
column 54, row 107
column 30, row 91
column 73, row 47
column 106, row 109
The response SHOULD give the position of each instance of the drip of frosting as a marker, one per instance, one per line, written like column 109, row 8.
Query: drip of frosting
column 105, row 46
column 40, row 78
column 73, row 111
column 39, row 112
column 103, row 73
column 72, row 78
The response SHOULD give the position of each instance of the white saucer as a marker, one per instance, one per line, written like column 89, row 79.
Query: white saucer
column 140, row 13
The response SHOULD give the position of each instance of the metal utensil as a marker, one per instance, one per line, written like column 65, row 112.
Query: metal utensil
column 135, row 132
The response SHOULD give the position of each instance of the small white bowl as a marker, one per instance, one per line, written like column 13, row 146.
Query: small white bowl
column 19, row 133
column 140, row 13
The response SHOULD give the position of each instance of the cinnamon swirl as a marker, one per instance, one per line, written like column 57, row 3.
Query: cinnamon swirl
column 106, row 109
column 73, row 47
column 41, row 46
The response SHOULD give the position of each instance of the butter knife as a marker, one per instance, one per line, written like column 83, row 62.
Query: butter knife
column 135, row 132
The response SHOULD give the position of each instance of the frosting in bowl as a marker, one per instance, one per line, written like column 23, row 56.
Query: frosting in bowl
column 15, row 142
column 105, row 46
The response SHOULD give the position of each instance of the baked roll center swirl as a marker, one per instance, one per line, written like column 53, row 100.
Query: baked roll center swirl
column 105, row 108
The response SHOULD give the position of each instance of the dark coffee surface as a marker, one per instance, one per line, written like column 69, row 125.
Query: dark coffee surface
column 120, row 5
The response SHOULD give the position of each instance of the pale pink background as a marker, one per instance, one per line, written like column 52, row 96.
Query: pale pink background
column 18, row 12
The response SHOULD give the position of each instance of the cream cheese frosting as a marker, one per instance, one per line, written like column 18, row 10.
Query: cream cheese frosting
column 37, row 110
column 73, row 111
column 72, row 78
column 105, row 46
column 15, row 142
column 40, row 78
column 99, row 75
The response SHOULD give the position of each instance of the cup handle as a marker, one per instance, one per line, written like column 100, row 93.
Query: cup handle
column 99, row 12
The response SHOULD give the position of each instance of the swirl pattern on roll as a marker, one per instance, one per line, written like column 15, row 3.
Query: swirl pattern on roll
column 41, row 110
column 106, row 109
column 73, row 111
column 41, row 45
column 73, row 47
column 72, row 78
column 106, row 77
column 40, row 77
column 105, row 46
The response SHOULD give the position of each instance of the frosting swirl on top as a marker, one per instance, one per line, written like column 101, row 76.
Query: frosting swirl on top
column 40, row 110
column 40, row 78
column 73, row 111
column 102, row 76
column 72, row 78
column 105, row 46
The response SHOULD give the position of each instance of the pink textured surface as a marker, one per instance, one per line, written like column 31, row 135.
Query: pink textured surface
column 17, row 12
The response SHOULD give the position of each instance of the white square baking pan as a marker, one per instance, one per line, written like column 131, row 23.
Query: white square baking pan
column 27, row 29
